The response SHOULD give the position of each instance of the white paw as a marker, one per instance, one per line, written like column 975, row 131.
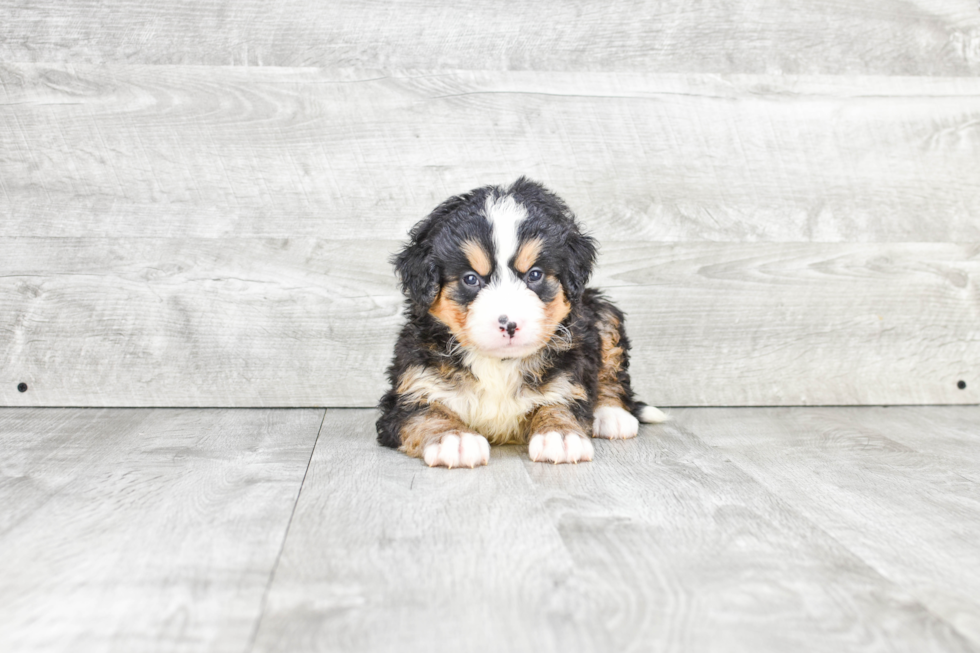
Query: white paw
column 614, row 423
column 556, row 447
column 458, row 449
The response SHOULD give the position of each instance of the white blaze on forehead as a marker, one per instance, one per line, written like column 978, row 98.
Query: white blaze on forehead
column 507, row 294
column 505, row 216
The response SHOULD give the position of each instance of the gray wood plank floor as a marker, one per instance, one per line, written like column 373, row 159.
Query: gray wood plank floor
column 143, row 530
column 752, row 529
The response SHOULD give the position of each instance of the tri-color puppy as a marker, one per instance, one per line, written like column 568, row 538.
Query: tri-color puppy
column 504, row 343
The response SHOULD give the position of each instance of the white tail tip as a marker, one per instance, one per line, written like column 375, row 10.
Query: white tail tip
column 651, row 415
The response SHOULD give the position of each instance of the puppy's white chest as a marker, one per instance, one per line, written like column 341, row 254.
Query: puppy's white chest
column 495, row 401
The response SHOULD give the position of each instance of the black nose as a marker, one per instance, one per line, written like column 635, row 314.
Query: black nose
column 509, row 327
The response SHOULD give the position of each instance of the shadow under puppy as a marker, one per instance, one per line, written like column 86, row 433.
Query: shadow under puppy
column 504, row 343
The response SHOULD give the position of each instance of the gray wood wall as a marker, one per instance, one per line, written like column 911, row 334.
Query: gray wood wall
column 197, row 199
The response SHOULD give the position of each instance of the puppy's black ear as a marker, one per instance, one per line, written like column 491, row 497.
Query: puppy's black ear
column 416, row 267
column 581, row 255
column 578, row 251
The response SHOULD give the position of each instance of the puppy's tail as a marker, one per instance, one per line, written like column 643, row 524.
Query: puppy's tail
column 649, row 414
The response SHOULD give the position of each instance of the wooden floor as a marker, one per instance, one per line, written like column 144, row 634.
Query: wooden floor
column 752, row 529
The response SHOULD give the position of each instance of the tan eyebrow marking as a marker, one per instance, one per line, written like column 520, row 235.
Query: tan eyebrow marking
column 528, row 254
column 477, row 257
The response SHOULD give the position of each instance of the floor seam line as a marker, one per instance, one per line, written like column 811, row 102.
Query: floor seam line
column 285, row 537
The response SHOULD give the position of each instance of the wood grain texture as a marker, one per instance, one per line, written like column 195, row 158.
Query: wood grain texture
column 140, row 530
column 213, row 152
column 660, row 544
column 261, row 322
column 196, row 322
column 817, row 36
column 920, row 525
column 916, row 427
column 797, row 324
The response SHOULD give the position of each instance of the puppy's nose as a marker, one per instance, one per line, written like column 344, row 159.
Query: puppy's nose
column 509, row 327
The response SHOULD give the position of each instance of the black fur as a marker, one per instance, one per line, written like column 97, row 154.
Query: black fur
column 570, row 251
column 433, row 244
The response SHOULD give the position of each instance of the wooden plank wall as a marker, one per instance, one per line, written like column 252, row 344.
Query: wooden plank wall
column 197, row 199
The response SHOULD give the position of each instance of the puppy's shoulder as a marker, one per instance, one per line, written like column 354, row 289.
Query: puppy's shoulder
column 598, row 306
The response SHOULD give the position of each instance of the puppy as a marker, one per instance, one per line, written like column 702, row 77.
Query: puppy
column 504, row 343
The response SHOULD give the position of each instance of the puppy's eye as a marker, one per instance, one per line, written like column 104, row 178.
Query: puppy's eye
column 534, row 275
column 471, row 279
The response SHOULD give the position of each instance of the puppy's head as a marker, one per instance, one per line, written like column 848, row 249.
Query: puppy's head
column 499, row 267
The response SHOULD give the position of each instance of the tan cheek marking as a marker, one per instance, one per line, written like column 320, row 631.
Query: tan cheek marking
column 427, row 428
column 477, row 257
column 558, row 308
column 527, row 255
column 554, row 312
column 451, row 314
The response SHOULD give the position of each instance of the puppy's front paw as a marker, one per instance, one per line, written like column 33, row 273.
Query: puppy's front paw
column 458, row 449
column 556, row 447
column 614, row 423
